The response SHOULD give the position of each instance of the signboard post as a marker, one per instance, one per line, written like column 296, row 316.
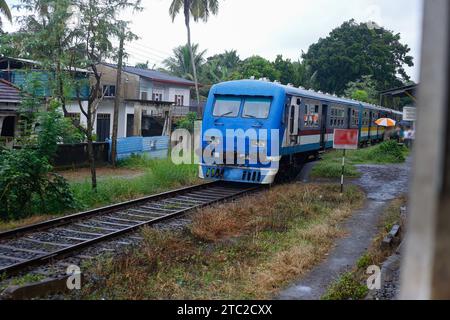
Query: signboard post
column 345, row 139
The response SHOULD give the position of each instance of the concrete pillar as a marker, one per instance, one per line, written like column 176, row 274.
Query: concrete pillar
column 137, row 127
column 425, row 272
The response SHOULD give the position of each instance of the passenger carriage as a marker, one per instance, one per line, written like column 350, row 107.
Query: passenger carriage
column 305, row 121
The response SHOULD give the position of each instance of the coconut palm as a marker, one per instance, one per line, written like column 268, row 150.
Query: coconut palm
column 198, row 10
column 180, row 63
column 4, row 9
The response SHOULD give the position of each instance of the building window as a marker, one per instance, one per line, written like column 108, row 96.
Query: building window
column 179, row 100
column 109, row 90
column 157, row 96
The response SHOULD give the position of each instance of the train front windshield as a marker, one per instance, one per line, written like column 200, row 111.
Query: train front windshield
column 252, row 107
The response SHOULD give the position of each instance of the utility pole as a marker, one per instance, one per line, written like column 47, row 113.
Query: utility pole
column 117, row 101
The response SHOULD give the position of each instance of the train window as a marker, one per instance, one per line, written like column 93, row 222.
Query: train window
column 227, row 106
column 311, row 117
column 337, row 117
column 258, row 108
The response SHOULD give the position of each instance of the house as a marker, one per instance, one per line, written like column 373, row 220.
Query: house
column 150, row 100
column 15, row 75
column 9, row 103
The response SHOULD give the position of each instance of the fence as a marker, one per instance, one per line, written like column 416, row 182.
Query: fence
column 76, row 155
column 152, row 147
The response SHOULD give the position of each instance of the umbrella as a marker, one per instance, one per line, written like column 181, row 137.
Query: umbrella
column 386, row 122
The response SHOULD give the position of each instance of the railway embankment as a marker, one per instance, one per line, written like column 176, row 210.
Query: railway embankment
column 248, row 249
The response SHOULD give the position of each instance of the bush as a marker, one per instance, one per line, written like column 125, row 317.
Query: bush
column 388, row 152
column 27, row 186
column 346, row 288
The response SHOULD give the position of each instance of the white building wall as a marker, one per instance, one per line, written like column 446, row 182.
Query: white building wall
column 105, row 107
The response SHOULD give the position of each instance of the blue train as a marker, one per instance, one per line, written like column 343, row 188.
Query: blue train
column 255, row 130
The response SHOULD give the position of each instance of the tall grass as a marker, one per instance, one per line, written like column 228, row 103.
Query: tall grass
column 384, row 153
column 159, row 176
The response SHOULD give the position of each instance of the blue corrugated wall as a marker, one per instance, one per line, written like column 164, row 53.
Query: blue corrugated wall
column 152, row 147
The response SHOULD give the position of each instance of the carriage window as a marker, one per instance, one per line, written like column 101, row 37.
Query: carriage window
column 311, row 117
column 258, row 108
column 337, row 117
column 227, row 107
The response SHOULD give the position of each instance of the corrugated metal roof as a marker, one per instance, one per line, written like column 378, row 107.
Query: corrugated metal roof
column 154, row 75
column 9, row 93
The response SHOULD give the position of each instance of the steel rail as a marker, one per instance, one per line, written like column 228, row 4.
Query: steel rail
column 226, row 191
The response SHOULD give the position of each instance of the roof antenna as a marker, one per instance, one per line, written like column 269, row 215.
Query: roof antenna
column 252, row 78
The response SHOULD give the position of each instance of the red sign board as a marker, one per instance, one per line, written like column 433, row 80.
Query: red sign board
column 346, row 139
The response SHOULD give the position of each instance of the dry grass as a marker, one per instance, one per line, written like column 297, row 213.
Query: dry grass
column 10, row 225
column 249, row 249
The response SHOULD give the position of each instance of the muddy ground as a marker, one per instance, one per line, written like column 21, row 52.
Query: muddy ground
column 382, row 183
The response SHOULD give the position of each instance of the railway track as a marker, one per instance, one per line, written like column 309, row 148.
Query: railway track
column 44, row 242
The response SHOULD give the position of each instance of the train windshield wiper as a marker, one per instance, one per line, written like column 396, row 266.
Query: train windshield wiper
column 226, row 114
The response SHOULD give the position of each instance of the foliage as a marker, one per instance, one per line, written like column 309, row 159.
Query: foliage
column 346, row 288
column 354, row 50
column 187, row 122
column 257, row 67
column 286, row 69
column 331, row 164
column 4, row 10
column 180, row 64
column 27, row 186
column 142, row 65
column 363, row 90
column 219, row 67
column 67, row 34
column 158, row 176
column 197, row 10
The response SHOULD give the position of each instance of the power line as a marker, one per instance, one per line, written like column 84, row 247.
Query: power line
column 144, row 52
column 152, row 49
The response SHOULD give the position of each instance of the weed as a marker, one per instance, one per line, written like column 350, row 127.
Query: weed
column 346, row 288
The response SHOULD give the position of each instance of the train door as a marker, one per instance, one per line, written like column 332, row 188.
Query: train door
column 349, row 118
column 292, row 121
column 323, row 127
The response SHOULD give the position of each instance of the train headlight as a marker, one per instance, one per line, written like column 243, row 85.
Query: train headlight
column 258, row 144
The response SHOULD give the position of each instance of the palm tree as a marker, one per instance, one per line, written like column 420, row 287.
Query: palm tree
column 4, row 9
column 180, row 63
column 197, row 9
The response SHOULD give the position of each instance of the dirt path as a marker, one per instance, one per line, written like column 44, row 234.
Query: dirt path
column 84, row 174
column 381, row 183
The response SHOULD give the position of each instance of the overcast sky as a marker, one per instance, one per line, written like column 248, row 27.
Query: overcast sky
column 268, row 28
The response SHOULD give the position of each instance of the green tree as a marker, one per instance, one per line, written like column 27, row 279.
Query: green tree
column 187, row 122
column 180, row 64
column 354, row 50
column 197, row 9
column 4, row 10
column 286, row 70
column 142, row 65
column 48, row 36
column 362, row 90
column 218, row 68
column 257, row 67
